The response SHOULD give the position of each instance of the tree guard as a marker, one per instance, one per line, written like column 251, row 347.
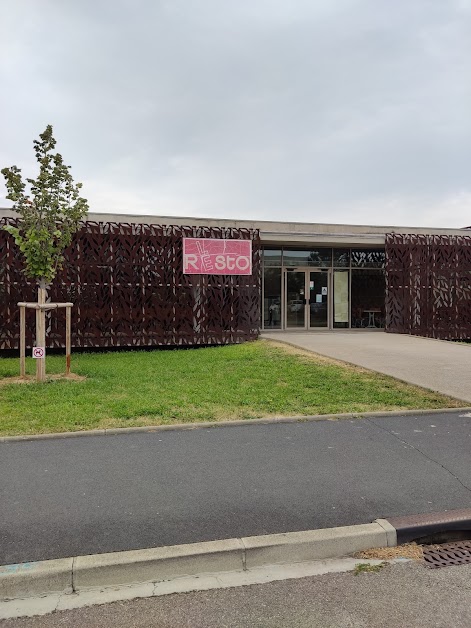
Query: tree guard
column 41, row 309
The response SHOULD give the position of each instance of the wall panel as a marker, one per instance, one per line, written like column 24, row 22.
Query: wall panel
column 128, row 288
column 428, row 285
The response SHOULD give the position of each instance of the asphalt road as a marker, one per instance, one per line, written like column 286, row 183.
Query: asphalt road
column 75, row 496
column 398, row 596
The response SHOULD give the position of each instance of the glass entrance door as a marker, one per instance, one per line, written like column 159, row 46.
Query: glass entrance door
column 296, row 299
column 307, row 299
column 318, row 298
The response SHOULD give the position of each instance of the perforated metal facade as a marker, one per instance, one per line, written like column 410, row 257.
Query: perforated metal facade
column 128, row 288
column 428, row 285
column 127, row 283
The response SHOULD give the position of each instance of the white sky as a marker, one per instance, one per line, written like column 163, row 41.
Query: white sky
column 348, row 111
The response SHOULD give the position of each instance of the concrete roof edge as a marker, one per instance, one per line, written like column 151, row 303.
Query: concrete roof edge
column 335, row 228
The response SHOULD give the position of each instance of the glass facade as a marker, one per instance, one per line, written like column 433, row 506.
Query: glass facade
column 320, row 258
column 324, row 257
column 318, row 299
column 272, row 257
column 341, row 258
column 295, row 299
column 272, row 298
column 345, row 289
column 368, row 294
column 341, row 299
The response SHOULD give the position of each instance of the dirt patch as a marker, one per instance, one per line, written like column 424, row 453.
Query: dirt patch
column 31, row 379
column 408, row 550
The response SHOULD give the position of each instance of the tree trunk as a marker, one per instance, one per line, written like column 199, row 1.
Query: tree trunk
column 41, row 331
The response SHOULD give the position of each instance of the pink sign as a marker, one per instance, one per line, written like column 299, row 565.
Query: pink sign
column 205, row 256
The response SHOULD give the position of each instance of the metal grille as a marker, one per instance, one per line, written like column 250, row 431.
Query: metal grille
column 448, row 554
column 128, row 288
column 428, row 285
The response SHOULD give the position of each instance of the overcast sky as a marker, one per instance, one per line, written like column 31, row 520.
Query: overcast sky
column 353, row 111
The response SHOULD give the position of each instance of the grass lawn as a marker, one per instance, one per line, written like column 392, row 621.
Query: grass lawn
column 256, row 379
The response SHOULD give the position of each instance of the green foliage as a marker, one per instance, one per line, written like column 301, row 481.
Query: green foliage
column 50, row 212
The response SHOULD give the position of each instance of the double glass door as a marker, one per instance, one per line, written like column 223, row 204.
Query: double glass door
column 307, row 299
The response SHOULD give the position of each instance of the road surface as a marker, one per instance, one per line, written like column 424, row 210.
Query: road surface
column 74, row 496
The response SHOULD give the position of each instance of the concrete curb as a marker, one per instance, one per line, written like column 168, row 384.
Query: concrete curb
column 313, row 544
column 81, row 573
column 237, row 423
column 32, row 579
column 157, row 564
column 431, row 524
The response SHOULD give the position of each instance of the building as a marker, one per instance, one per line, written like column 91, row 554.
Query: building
column 127, row 278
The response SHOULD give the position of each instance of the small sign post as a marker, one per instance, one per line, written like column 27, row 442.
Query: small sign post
column 39, row 352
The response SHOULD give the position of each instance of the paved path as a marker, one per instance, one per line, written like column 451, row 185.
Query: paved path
column 399, row 596
column 435, row 364
column 74, row 496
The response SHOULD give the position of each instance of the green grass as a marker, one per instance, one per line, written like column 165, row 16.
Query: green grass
column 256, row 379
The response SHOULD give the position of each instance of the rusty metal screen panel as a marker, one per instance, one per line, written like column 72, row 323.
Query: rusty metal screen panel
column 128, row 288
column 428, row 285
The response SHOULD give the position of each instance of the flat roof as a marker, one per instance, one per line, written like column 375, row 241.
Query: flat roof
column 279, row 232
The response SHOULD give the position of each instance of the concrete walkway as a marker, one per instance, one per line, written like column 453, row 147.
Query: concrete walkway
column 397, row 596
column 435, row 364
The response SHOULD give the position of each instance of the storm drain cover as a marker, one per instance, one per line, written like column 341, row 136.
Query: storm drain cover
column 447, row 554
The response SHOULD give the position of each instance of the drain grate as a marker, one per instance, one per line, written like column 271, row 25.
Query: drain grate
column 447, row 554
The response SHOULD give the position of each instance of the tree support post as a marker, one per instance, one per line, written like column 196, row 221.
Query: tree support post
column 41, row 334
column 41, row 308
column 68, row 312
column 22, row 340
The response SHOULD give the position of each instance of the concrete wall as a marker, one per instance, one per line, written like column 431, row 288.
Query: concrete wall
column 272, row 232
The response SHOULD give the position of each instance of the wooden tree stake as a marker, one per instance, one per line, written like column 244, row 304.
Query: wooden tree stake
column 22, row 341
column 68, row 312
column 41, row 335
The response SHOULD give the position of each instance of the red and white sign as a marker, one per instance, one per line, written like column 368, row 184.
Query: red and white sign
column 205, row 256
column 39, row 352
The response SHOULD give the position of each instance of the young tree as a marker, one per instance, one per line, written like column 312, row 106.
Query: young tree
column 50, row 209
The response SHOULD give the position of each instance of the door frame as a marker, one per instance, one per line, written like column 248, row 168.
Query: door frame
column 307, row 313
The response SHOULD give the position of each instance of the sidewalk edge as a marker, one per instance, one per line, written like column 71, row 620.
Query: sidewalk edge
column 157, row 564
